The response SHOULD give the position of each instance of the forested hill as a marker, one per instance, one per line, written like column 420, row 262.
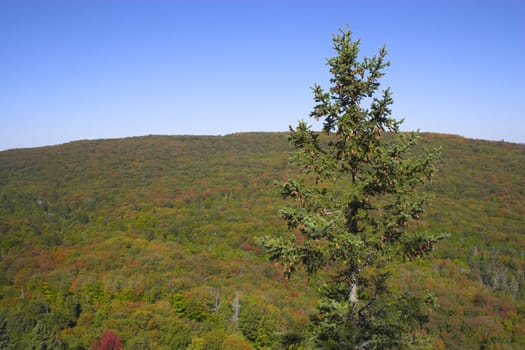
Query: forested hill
column 153, row 238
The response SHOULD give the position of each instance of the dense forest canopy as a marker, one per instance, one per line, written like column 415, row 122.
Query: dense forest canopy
column 153, row 239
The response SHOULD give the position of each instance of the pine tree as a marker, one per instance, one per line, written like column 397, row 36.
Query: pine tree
column 352, row 206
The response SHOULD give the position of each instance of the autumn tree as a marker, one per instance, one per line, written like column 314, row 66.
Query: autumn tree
column 353, row 204
column 108, row 341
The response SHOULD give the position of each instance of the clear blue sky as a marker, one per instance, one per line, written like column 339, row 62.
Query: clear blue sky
column 90, row 69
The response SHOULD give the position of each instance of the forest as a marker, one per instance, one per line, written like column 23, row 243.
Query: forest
column 152, row 243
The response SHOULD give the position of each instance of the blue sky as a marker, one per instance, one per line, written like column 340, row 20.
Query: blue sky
column 96, row 69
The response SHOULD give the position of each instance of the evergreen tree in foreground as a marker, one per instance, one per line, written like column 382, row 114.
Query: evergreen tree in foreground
column 353, row 205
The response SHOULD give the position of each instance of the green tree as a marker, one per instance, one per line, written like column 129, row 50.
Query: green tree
column 5, row 336
column 353, row 204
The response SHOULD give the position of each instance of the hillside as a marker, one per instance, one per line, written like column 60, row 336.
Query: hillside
column 154, row 238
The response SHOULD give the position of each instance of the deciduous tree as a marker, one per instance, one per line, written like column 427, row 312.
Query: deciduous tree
column 108, row 341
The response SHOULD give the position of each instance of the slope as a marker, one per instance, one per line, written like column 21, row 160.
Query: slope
column 154, row 238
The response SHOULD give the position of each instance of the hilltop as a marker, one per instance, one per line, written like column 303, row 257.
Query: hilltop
column 154, row 238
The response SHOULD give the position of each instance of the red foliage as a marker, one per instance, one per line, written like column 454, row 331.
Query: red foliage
column 108, row 341
column 248, row 247
column 294, row 294
column 44, row 262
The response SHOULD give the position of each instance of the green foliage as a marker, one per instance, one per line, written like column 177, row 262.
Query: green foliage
column 353, row 207
column 206, row 199
column 259, row 323
column 5, row 334
column 190, row 307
